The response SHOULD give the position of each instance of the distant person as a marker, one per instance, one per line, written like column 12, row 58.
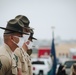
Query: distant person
column 61, row 70
column 12, row 36
column 73, row 69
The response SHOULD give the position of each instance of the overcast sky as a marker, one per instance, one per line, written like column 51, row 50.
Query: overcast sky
column 43, row 14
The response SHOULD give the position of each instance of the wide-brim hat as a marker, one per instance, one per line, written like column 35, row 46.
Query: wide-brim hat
column 25, row 21
column 31, row 35
column 13, row 26
column 33, row 38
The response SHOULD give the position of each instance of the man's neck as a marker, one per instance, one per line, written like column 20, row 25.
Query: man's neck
column 24, row 47
column 12, row 46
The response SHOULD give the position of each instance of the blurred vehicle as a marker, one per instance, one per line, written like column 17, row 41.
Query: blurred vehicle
column 41, row 66
column 68, row 65
column 62, row 60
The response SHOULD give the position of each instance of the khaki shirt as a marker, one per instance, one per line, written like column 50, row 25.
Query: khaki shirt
column 8, row 63
column 25, row 61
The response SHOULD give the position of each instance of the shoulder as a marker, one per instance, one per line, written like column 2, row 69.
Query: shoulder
column 2, row 49
column 4, row 61
column 5, row 65
column 3, row 52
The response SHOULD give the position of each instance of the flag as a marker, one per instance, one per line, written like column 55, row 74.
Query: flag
column 53, row 69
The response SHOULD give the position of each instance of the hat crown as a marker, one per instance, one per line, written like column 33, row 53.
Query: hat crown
column 23, row 19
column 14, row 26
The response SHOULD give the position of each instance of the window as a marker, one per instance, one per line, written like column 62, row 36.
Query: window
column 68, row 64
column 38, row 62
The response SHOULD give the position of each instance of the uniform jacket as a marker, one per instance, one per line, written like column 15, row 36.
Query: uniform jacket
column 24, row 61
column 8, row 62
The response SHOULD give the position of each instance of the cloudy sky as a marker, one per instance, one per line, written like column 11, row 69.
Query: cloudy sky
column 43, row 14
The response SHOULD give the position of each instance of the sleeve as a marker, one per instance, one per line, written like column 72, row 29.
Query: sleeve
column 4, row 65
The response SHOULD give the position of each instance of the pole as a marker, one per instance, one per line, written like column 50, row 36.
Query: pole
column 52, row 31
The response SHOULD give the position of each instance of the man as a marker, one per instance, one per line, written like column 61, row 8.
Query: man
column 31, row 38
column 12, row 36
column 22, row 52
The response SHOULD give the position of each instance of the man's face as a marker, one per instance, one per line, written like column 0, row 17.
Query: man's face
column 16, row 37
column 28, row 40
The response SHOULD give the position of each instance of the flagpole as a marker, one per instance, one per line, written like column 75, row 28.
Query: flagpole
column 53, row 69
column 52, row 31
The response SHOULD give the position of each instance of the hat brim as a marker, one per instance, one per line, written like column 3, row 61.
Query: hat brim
column 13, row 30
column 34, row 38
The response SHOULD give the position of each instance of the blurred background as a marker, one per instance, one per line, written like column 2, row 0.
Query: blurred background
column 43, row 15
